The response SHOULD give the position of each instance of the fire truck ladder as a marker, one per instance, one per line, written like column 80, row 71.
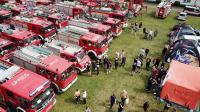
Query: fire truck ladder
column 6, row 72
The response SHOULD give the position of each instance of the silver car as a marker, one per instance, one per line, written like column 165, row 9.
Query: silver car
column 182, row 16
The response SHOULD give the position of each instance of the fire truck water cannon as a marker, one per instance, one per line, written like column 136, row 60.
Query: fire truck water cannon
column 95, row 45
column 42, row 61
column 6, row 49
column 23, row 90
column 70, row 52
column 37, row 25
column 18, row 36
column 96, row 28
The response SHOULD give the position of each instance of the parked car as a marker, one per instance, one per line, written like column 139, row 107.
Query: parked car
column 182, row 16
column 192, row 10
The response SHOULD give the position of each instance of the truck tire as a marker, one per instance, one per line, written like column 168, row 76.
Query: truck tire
column 55, row 88
column 11, row 107
column 92, row 56
column 78, row 71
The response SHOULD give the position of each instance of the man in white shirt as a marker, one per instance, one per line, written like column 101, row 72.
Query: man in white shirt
column 84, row 96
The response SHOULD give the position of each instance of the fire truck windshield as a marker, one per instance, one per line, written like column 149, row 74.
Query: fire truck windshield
column 67, row 73
column 6, row 49
column 41, row 100
column 33, row 39
column 5, row 16
column 48, row 28
column 81, row 55
column 102, row 43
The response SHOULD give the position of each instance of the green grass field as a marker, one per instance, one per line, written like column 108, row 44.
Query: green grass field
column 100, row 87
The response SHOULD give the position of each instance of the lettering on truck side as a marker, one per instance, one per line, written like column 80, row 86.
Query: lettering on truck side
column 22, row 77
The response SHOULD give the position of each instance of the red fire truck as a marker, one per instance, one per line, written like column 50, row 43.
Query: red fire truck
column 116, row 26
column 4, row 15
column 19, row 36
column 70, row 52
column 96, row 28
column 42, row 61
column 59, row 19
column 24, row 91
column 163, row 9
column 16, row 8
column 6, row 48
column 37, row 25
column 108, row 12
column 71, row 9
column 95, row 45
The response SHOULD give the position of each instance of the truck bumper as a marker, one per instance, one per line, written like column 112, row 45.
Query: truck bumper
column 65, row 89
column 117, row 34
column 103, row 54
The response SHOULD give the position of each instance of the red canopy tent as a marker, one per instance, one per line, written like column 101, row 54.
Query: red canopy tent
column 181, row 85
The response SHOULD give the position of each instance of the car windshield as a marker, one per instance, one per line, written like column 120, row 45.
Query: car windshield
column 81, row 55
column 67, row 73
column 182, row 14
column 6, row 49
column 48, row 28
column 42, row 98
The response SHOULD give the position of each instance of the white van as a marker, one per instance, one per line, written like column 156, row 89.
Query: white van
column 192, row 10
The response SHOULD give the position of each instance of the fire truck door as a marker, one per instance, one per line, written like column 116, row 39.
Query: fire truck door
column 2, row 100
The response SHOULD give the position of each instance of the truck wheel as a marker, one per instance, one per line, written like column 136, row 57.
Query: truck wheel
column 92, row 56
column 78, row 71
column 55, row 88
column 11, row 107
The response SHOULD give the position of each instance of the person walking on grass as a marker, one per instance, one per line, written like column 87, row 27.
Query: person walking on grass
column 121, row 107
column 116, row 63
column 112, row 100
column 146, row 106
column 148, row 62
column 123, row 58
column 89, row 69
column 147, row 52
column 77, row 96
column 84, row 96
column 139, row 65
column 124, row 96
column 87, row 109
column 97, row 67
column 134, row 66
column 107, row 66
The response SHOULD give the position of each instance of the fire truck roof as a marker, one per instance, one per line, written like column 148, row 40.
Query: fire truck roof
column 64, row 47
column 33, row 20
column 44, row 58
column 4, row 42
column 20, row 81
column 100, row 27
column 57, row 15
column 16, row 33
column 56, row 64
column 4, row 12
column 93, row 37
column 112, row 20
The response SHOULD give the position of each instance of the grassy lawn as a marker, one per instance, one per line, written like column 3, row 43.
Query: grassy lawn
column 100, row 87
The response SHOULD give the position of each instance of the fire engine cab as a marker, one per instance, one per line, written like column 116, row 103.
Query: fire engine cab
column 4, row 15
column 96, row 28
column 59, row 19
column 70, row 52
column 18, row 36
column 16, row 8
column 163, row 9
column 95, row 45
column 42, row 61
column 6, row 48
column 115, row 24
column 37, row 25
column 24, row 91
column 71, row 8
column 108, row 12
